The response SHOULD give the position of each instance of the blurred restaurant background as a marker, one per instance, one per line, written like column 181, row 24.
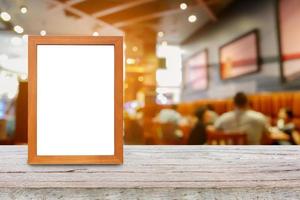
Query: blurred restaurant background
column 185, row 61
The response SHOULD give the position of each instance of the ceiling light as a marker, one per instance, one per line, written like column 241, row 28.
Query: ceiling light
column 5, row 16
column 25, row 37
column 192, row 18
column 160, row 34
column 135, row 49
column 43, row 32
column 130, row 61
column 183, row 6
column 164, row 43
column 23, row 9
column 16, row 41
column 95, row 34
column 18, row 29
column 141, row 79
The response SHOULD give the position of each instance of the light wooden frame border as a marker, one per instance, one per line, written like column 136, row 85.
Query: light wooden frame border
column 33, row 41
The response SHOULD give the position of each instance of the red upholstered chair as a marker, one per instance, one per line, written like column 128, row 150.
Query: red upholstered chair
column 266, row 104
column 296, row 104
column 220, row 106
column 220, row 138
column 3, row 135
column 20, row 136
column 229, row 105
column 281, row 100
column 186, row 108
column 296, row 109
column 201, row 103
column 165, row 133
column 133, row 132
column 255, row 102
column 150, row 111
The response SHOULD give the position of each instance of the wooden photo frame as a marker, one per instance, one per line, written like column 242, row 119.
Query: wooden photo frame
column 288, row 19
column 240, row 56
column 196, row 71
column 75, row 100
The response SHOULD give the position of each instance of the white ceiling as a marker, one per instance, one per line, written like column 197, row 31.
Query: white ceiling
column 41, row 15
column 49, row 15
column 177, row 28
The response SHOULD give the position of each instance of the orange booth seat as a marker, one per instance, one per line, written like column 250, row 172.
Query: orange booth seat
column 266, row 103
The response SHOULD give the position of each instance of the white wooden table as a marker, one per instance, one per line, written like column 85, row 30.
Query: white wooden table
column 160, row 172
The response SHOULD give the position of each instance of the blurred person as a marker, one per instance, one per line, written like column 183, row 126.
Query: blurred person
column 139, row 116
column 139, row 113
column 214, row 115
column 169, row 120
column 169, row 115
column 284, row 120
column 10, row 116
column 198, row 133
column 244, row 120
column 286, row 125
column 133, row 127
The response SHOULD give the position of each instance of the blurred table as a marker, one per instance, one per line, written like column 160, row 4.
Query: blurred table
column 159, row 172
column 277, row 135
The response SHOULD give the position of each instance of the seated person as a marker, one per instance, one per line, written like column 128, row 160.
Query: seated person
column 284, row 120
column 170, row 120
column 198, row 133
column 213, row 114
column 243, row 120
column 286, row 125
column 168, row 115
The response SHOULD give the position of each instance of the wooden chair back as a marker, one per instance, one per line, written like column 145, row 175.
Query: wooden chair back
column 221, row 138
column 166, row 133
column 3, row 135
column 20, row 136
column 133, row 132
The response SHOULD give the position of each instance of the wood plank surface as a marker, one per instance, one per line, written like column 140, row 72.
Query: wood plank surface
column 162, row 171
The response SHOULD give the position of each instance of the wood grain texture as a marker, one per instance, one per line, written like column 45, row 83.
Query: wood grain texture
column 149, row 193
column 268, row 172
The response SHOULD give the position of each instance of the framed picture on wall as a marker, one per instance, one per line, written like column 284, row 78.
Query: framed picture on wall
column 239, row 56
column 289, row 20
column 75, row 95
column 196, row 71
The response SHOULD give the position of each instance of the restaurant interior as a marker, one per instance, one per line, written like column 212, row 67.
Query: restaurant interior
column 213, row 72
